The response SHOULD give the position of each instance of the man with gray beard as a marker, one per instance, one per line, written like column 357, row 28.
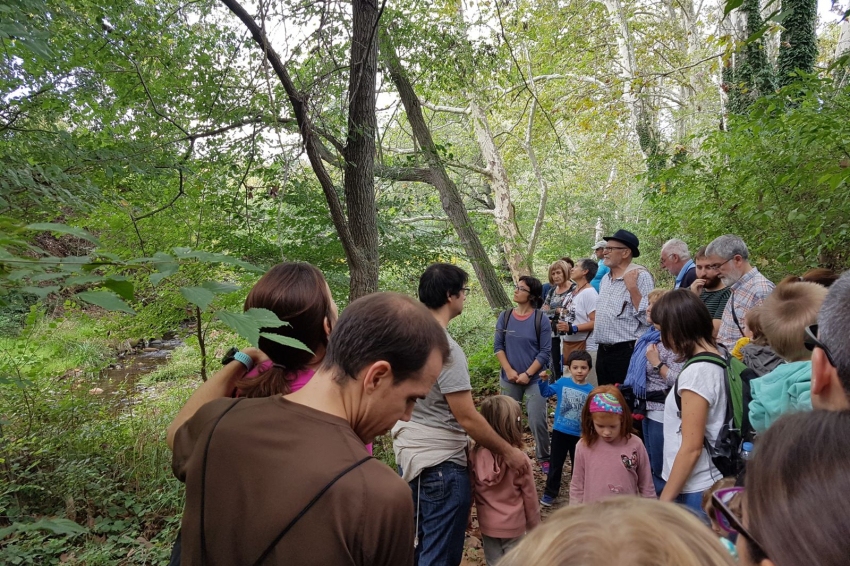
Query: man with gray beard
column 729, row 256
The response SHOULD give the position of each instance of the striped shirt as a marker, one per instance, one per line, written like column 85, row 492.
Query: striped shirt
column 617, row 319
column 715, row 301
column 747, row 292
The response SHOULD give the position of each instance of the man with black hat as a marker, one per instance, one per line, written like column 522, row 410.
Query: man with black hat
column 621, row 307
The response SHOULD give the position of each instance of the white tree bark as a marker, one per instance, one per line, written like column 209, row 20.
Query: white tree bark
column 504, row 212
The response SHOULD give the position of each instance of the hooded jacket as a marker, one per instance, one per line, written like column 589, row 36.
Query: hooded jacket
column 784, row 390
column 760, row 359
column 506, row 501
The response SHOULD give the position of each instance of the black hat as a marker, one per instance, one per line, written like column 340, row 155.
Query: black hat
column 627, row 238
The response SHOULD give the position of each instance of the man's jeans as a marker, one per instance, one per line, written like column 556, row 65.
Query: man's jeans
column 442, row 497
column 535, row 406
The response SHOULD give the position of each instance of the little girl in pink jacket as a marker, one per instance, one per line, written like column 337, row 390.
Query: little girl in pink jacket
column 506, row 501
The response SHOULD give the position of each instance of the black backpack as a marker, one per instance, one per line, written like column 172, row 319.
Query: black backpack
column 725, row 451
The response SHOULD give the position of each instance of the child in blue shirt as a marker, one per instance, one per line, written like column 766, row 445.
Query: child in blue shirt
column 566, row 432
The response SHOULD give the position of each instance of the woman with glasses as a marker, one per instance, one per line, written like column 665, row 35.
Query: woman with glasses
column 523, row 344
column 797, row 494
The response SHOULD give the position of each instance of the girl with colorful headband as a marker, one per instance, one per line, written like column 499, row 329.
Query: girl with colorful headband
column 609, row 459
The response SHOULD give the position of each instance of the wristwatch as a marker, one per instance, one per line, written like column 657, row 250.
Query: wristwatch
column 241, row 357
column 658, row 367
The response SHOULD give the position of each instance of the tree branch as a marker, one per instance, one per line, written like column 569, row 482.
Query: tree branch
column 308, row 135
column 449, row 109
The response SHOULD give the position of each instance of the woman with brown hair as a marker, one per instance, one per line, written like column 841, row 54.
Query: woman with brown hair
column 798, row 493
column 687, row 330
column 299, row 295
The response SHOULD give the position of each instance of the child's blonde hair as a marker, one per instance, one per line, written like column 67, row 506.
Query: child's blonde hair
column 580, row 535
column 655, row 294
column 753, row 323
column 786, row 313
column 504, row 415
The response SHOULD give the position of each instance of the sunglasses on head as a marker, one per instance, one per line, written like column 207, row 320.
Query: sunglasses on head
column 728, row 520
column 810, row 341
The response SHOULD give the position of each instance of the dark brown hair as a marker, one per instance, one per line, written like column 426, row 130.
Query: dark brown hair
column 298, row 294
column 384, row 327
column 588, row 431
column 798, row 489
column 821, row 276
column 684, row 321
column 504, row 415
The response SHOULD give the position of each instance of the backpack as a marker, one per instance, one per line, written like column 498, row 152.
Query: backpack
column 725, row 451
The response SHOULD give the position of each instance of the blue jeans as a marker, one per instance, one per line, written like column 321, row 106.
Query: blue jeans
column 535, row 406
column 693, row 502
column 653, row 438
column 442, row 498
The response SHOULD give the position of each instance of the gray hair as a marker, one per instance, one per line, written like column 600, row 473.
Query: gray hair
column 678, row 247
column 727, row 247
column 834, row 326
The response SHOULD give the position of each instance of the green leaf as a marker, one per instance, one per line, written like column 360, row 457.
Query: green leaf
column 731, row 5
column 64, row 229
column 286, row 341
column 83, row 280
column 265, row 318
column 198, row 296
column 219, row 288
column 106, row 300
column 41, row 292
column 122, row 288
column 243, row 325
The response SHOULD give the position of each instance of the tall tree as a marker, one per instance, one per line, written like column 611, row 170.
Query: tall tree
column 798, row 47
column 356, row 221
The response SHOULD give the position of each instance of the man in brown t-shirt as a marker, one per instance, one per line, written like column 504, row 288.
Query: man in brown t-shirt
column 252, row 466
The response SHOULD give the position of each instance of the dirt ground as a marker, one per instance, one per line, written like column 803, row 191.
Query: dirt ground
column 473, row 553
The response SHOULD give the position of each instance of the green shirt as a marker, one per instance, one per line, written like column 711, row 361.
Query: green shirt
column 716, row 301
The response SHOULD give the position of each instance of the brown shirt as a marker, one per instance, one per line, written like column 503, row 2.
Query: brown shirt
column 267, row 459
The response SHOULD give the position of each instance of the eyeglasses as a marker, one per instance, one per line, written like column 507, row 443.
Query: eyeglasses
column 717, row 266
column 810, row 341
column 518, row 288
column 730, row 522
column 466, row 290
column 612, row 248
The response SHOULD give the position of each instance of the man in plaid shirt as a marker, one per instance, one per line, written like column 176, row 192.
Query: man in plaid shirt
column 730, row 257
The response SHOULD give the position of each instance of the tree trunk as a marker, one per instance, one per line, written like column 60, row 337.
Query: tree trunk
column 504, row 212
column 357, row 231
column 359, row 172
column 798, row 44
column 449, row 195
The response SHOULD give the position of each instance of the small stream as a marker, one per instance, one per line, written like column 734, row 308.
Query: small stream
column 121, row 377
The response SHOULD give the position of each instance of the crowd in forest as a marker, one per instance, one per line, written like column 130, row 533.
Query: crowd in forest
column 707, row 424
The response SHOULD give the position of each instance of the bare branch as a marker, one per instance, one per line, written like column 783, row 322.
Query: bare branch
column 450, row 109
column 160, row 209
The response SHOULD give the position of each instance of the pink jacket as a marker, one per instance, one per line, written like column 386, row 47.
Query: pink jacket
column 606, row 469
column 506, row 502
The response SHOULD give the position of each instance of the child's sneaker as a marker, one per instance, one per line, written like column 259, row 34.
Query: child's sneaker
column 544, row 467
column 547, row 501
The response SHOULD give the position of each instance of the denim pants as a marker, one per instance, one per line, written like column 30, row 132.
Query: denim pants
column 693, row 502
column 653, row 438
column 535, row 407
column 442, row 498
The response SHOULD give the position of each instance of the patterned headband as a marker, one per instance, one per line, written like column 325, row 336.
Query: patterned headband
column 605, row 403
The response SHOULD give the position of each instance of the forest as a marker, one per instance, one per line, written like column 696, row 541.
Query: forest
column 157, row 157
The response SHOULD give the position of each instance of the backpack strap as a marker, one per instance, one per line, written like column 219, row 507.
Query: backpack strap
column 306, row 508
column 735, row 316
column 538, row 319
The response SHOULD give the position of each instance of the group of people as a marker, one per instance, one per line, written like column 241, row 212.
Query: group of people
column 275, row 447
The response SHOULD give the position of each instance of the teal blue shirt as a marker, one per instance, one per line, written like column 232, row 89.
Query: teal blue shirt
column 571, row 399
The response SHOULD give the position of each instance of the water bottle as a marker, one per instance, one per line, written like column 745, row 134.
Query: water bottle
column 746, row 451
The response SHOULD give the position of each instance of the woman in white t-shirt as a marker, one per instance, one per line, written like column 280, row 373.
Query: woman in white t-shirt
column 686, row 330
column 578, row 308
